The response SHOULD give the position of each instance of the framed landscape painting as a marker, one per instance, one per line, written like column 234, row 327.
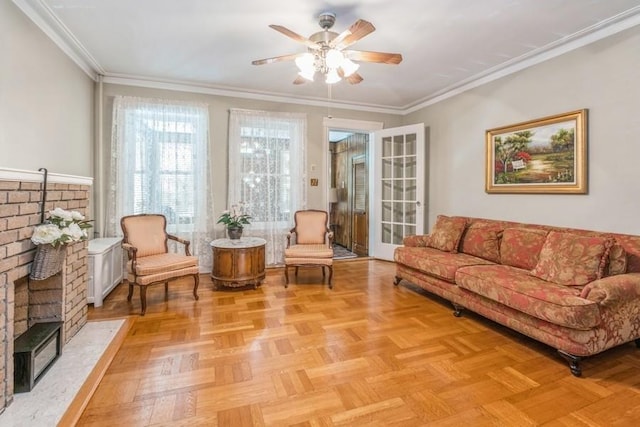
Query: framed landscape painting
column 547, row 155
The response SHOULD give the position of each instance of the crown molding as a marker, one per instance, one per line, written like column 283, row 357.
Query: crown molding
column 594, row 33
column 7, row 174
column 46, row 20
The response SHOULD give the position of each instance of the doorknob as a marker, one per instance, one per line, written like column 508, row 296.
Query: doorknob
column 418, row 203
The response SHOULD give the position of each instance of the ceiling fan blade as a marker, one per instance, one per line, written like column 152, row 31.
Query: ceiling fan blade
column 295, row 36
column 289, row 57
column 299, row 80
column 355, row 32
column 381, row 57
column 354, row 78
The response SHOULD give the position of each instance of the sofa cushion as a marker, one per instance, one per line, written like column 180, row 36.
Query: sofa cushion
column 571, row 259
column 520, row 247
column 446, row 233
column 482, row 239
column 516, row 288
column 617, row 260
column 434, row 262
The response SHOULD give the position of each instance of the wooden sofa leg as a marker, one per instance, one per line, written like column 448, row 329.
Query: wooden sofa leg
column 196, row 280
column 574, row 362
column 637, row 343
column 457, row 309
column 397, row 280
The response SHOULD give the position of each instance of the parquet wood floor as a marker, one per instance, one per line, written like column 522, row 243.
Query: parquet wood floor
column 364, row 353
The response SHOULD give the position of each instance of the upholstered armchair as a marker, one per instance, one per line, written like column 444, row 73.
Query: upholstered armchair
column 150, row 262
column 312, row 244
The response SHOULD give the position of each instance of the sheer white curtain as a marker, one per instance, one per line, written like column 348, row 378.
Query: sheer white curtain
column 159, row 164
column 267, row 173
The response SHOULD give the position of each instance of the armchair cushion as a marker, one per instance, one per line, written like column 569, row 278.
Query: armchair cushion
column 160, row 263
column 308, row 251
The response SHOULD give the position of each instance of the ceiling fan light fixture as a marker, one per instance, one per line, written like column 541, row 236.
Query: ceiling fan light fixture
column 307, row 74
column 332, row 76
column 333, row 58
column 349, row 67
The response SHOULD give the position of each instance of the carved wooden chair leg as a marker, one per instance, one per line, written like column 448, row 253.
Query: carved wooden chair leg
column 330, row 275
column 323, row 274
column 457, row 309
column 196, row 279
column 296, row 271
column 130, row 291
column 397, row 280
column 143, row 299
column 574, row 362
column 286, row 276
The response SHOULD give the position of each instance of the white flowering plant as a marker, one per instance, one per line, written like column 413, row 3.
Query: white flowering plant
column 61, row 227
column 234, row 218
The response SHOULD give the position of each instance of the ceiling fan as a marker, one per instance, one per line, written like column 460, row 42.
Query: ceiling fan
column 327, row 52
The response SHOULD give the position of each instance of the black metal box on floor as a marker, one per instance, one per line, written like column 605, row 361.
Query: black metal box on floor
column 33, row 354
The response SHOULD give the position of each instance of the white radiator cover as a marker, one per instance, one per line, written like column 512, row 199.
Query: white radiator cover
column 105, row 268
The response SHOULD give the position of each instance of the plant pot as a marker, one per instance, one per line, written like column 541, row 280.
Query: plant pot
column 234, row 233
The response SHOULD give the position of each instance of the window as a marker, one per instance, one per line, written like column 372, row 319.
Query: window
column 267, row 172
column 159, row 165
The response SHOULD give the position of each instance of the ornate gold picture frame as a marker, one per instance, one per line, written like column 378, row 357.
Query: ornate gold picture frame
column 544, row 156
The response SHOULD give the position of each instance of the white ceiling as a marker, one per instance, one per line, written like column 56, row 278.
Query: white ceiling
column 208, row 46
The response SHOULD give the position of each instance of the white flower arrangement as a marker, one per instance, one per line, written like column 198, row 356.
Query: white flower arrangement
column 60, row 228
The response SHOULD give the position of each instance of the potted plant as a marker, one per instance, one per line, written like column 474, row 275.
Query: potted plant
column 234, row 220
column 61, row 228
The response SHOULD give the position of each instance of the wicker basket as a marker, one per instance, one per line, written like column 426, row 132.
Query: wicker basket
column 48, row 261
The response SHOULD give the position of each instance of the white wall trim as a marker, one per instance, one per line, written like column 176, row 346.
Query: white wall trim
column 7, row 174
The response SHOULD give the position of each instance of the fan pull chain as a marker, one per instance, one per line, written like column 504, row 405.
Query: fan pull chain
column 329, row 101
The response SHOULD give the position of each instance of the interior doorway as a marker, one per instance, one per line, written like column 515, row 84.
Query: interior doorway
column 348, row 159
column 349, row 176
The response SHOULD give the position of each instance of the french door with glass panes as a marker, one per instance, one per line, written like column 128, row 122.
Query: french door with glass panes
column 399, row 187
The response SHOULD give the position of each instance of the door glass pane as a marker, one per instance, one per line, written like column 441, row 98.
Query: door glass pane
column 387, row 147
column 410, row 213
column 386, row 168
column 386, row 189
column 397, row 234
column 398, row 167
column 398, row 189
column 386, row 211
column 398, row 145
column 398, row 212
column 410, row 146
column 410, row 189
column 409, row 230
column 410, row 167
column 386, row 233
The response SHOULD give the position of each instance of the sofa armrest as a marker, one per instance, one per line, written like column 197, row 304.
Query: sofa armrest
column 613, row 290
column 416, row 241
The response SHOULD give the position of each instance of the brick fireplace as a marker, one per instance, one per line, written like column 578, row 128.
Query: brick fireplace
column 24, row 302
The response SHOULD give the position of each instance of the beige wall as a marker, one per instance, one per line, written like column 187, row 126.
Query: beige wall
column 602, row 77
column 219, row 107
column 46, row 101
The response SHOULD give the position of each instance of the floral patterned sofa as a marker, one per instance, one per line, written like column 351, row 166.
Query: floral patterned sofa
column 575, row 290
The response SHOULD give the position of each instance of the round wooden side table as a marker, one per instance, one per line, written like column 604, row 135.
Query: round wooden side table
column 238, row 262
